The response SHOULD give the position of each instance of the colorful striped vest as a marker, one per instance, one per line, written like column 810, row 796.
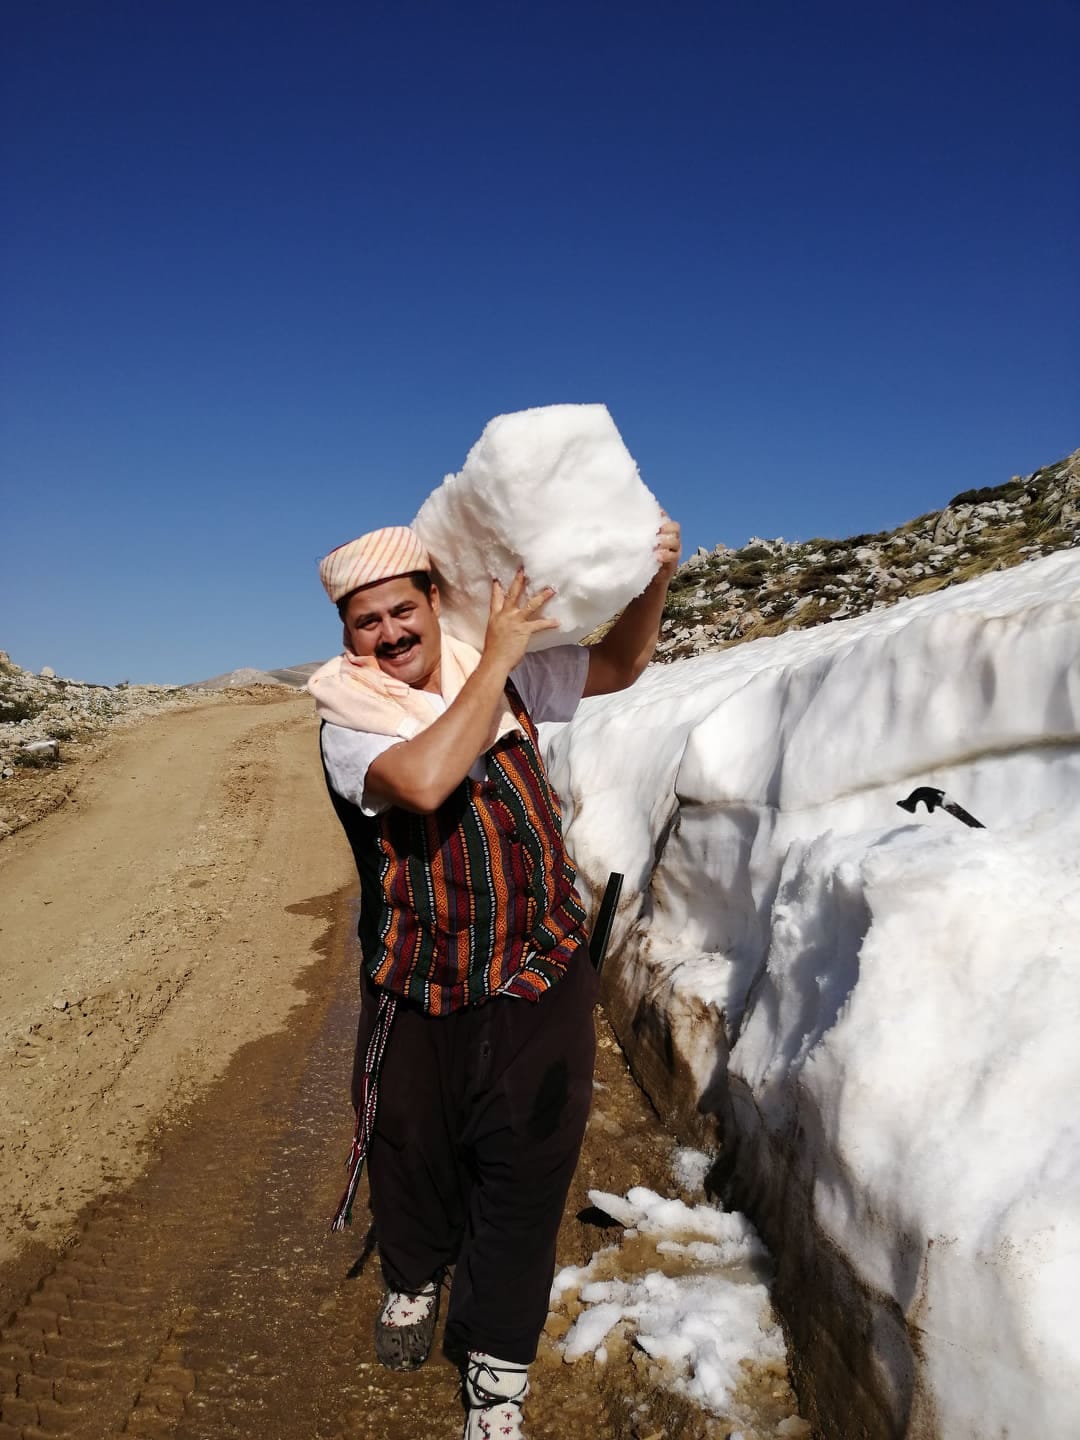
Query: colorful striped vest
column 475, row 899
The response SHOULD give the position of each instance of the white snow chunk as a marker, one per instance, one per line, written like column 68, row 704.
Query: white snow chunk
column 705, row 1325
column 591, row 1329
column 648, row 1213
column 689, row 1168
column 555, row 490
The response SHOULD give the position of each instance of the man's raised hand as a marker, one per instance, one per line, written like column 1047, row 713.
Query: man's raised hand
column 668, row 548
column 514, row 619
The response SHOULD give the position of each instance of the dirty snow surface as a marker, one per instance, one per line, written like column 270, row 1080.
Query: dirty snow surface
column 691, row 1293
column 899, row 996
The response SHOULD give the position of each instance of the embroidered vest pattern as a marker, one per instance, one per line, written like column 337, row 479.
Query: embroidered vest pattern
column 477, row 898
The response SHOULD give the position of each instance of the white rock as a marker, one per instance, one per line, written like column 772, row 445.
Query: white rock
column 41, row 749
column 552, row 489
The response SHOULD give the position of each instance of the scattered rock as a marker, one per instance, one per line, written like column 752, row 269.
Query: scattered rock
column 40, row 752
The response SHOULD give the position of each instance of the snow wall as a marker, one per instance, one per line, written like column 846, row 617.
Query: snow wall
column 872, row 1017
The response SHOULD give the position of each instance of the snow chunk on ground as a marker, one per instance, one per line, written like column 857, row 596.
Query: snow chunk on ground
column 693, row 1300
column 646, row 1213
column 553, row 489
column 689, row 1168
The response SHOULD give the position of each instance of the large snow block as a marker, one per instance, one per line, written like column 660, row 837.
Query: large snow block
column 556, row 491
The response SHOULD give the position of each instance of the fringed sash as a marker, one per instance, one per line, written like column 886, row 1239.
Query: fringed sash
column 365, row 1111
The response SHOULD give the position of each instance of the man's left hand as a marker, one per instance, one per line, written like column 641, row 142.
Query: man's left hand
column 668, row 549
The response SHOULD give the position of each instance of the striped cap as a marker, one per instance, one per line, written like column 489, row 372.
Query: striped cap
column 379, row 555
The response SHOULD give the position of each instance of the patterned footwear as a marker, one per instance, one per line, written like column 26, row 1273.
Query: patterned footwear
column 494, row 1390
column 405, row 1327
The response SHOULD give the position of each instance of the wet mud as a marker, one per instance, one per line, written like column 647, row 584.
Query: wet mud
column 209, row 1299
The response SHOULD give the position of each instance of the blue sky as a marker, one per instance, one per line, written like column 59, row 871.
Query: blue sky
column 269, row 268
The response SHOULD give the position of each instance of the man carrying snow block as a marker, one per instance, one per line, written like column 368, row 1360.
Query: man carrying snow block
column 476, row 1027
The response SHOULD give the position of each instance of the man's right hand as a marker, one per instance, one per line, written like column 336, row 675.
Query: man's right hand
column 514, row 619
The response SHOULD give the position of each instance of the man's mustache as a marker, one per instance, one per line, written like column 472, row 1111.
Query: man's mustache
column 398, row 648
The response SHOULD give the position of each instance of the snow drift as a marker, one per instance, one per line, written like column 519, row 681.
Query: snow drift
column 876, row 1018
column 553, row 489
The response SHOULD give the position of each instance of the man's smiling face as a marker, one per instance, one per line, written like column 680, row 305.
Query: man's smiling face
column 398, row 624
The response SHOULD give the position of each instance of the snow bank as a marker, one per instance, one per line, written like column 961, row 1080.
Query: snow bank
column 553, row 489
column 933, row 1060
column 899, row 999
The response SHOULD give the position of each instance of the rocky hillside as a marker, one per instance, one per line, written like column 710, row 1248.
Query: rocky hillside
column 50, row 727
column 722, row 597
column 38, row 713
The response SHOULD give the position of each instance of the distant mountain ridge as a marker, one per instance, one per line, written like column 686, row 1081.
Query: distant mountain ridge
column 293, row 675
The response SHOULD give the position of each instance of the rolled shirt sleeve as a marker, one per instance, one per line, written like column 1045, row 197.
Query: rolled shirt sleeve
column 347, row 755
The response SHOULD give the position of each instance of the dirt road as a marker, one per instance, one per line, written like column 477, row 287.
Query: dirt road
column 178, row 1011
column 146, row 933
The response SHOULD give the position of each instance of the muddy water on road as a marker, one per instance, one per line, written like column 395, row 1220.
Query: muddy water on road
column 210, row 1299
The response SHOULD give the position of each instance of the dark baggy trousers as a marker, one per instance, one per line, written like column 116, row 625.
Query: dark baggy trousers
column 480, row 1121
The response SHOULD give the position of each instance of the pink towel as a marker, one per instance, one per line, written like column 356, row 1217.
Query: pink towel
column 351, row 690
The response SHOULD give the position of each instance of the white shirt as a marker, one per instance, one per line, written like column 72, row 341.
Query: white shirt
column 550, row 682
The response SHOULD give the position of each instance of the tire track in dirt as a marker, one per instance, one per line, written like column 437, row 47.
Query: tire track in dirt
column 95, row 1349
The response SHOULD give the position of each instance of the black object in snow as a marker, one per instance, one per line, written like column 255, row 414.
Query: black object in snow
column 598, row 941
column 932, row 798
